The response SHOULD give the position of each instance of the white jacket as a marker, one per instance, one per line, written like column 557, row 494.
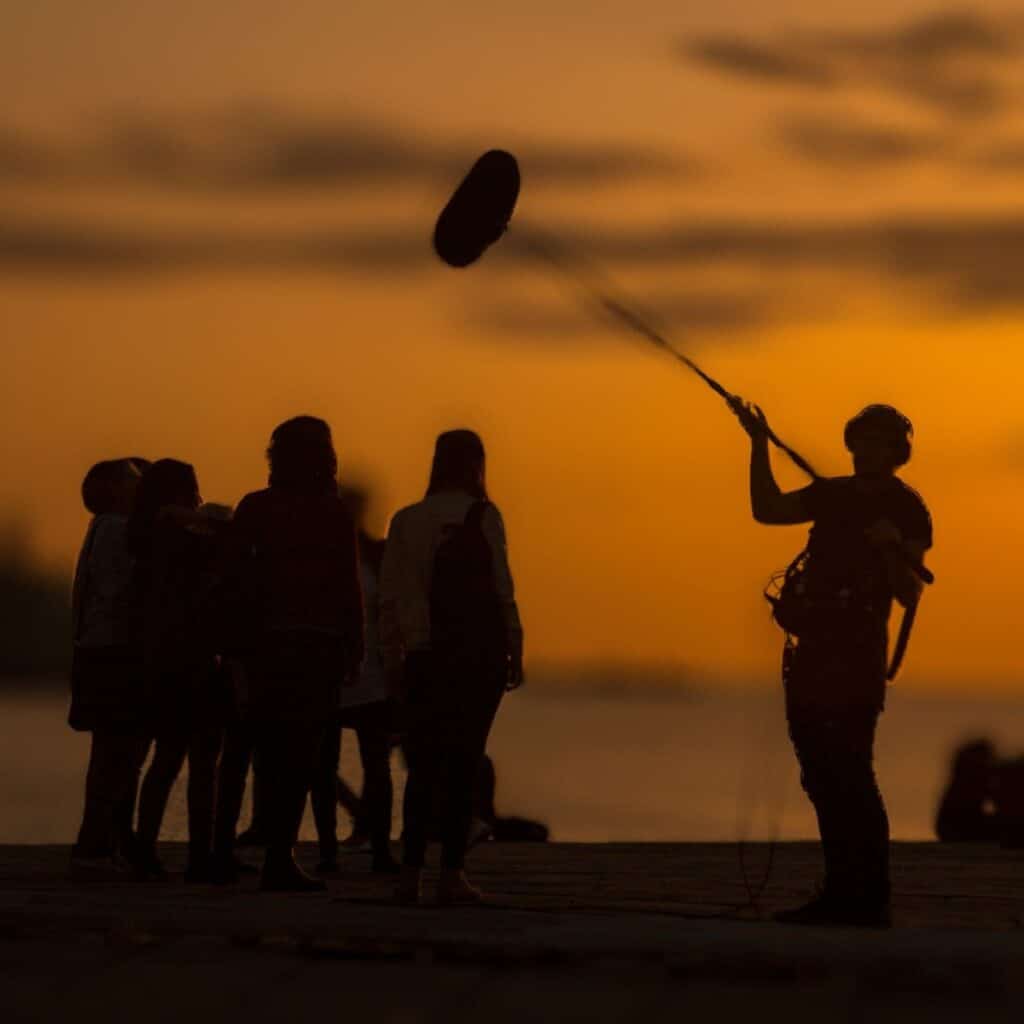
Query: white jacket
column 413, row 539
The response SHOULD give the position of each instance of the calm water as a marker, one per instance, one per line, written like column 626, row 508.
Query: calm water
column 596, row 768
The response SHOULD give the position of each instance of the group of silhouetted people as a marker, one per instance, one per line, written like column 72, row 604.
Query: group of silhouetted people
column 257, row 636
column 253, row 638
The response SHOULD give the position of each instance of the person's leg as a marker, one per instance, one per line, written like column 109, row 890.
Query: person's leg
column 861, row 824
column 203, row 751
column 421, row 747
column 374, row 735
column 835, row 750
column 477, row 696
column 256, row 832
column 288, row 757
column 484, row 791
column 108, row 778
column 124, row 814
column 324, row 796
column 236, row 755
column 457, row 778
column 168, row 758
column 807, row 733
column 422, row 772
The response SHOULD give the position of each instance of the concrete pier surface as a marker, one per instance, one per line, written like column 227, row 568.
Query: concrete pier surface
column 569, row 932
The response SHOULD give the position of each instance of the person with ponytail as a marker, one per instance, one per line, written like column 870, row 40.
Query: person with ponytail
column 448, row 613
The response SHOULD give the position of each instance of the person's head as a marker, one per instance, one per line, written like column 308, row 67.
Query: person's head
column 140, row 463
column 879, row 438
column 459, row 464
column 974, row 760
column 166, row 483
column 109, row 487
column 301, row 457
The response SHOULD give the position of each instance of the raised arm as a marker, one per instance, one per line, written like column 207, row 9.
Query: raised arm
column 768, row 502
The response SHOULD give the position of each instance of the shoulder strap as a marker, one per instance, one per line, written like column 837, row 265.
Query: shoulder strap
column 902, row 641
column 475, row 515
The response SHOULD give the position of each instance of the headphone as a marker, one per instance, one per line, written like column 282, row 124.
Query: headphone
column 887, row 420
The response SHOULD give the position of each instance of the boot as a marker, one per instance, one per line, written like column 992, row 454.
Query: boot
column 830, row 910
column 407, row 892
column 282, row 874
column 454, row 890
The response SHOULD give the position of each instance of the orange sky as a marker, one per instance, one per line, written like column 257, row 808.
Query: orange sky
column 622, row 479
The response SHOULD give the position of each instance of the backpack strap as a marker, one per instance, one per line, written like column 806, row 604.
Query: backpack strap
column 475, row 515
column 902, row 641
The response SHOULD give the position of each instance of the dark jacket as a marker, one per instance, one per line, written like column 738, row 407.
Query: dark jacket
column 292, row 561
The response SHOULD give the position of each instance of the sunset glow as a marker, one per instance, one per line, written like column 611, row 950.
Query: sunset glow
column 213, row 217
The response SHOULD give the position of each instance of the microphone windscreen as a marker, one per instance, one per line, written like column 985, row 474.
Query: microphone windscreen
column 479, row 211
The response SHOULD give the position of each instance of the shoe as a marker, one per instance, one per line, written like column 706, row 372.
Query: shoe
column 385, row 865
column 110, row 868
column 479, row 832
column 355, row 843
column 826, row 911
column 408, row 891
column 454, row 890
column 226, row 869
column 289, row 877
column 252, row 837
column 148, row 867
column 127, row 846
column 199, row 872
column 223, row 870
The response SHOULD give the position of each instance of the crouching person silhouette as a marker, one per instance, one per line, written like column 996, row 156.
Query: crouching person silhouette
column 869, row 531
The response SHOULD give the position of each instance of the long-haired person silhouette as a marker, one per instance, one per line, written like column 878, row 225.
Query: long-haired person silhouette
column 869, row 532
column 448, row 605
column 175, row 548
column 298, row 630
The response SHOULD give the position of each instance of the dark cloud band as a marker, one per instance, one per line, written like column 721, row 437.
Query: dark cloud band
column 268, row 150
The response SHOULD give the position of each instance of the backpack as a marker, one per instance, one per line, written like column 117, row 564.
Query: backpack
column 465, row 611
column 798, row 609
column 801, row 604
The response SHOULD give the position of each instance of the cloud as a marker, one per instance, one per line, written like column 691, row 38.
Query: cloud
column 950, row 62
column 262, row 149
column 41, row 247
column 764, row 61
column 947, row 35
column 1007, row 155
column 22, row 159
column 719, row 313
column 857, row 144
column 968, row 264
